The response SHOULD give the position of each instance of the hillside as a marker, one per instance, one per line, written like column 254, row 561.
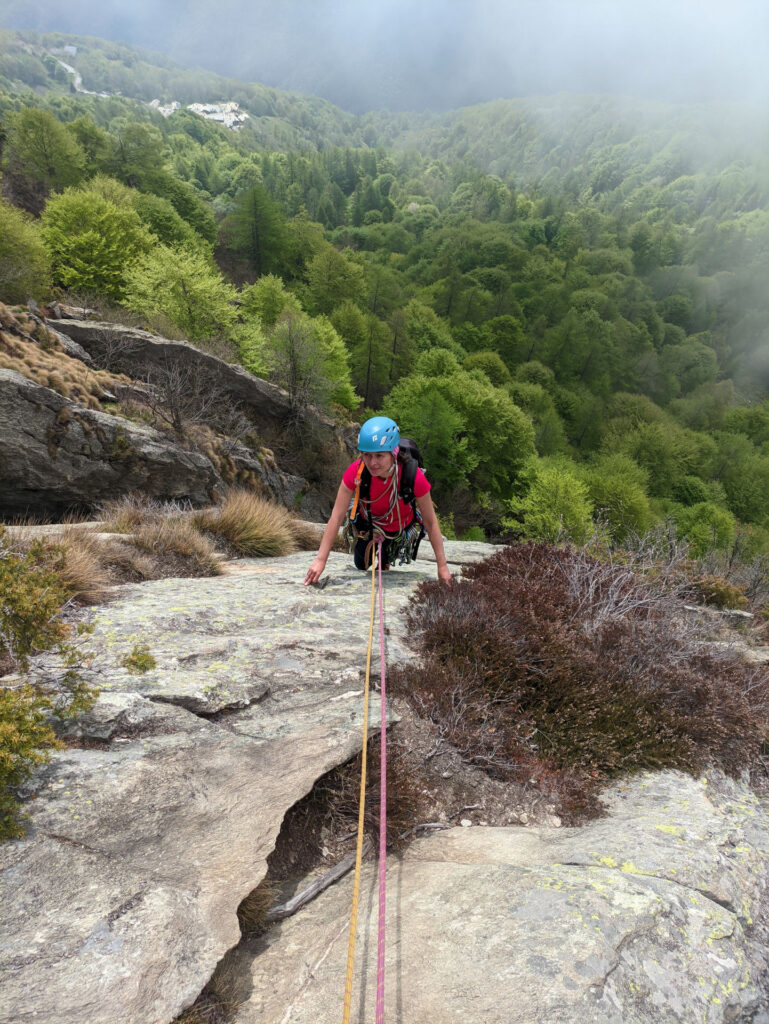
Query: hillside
column 563, row 298
column 280, row 120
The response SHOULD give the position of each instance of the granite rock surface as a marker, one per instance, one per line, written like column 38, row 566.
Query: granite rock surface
column 150, row 828
column 647, row 916
column 147, row 832
column 56, row 454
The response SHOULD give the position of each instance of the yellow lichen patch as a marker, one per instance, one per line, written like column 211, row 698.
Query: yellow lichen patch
column 606, row 862
column 671, row 830
column 629, row 868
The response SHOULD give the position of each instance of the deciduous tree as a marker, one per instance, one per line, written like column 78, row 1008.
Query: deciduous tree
column 92, row 242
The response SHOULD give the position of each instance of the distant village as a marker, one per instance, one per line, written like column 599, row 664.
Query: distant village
column 228, row 114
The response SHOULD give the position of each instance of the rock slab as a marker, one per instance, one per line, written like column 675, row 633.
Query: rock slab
column 145, row 835
column 652, row 915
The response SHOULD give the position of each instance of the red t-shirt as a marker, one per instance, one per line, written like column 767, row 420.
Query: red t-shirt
column 379, row 497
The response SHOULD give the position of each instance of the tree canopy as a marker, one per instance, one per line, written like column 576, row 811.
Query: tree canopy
column 554, row 299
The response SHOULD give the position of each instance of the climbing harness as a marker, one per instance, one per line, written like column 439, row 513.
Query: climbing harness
column 380, row 978
column 403, row 543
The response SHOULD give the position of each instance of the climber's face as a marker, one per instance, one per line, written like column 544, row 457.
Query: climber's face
column 378, row 463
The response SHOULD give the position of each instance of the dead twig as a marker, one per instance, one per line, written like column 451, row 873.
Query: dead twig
column 301, row 899
column 467, row 807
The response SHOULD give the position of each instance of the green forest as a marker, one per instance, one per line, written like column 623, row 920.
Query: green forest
column 563, row 300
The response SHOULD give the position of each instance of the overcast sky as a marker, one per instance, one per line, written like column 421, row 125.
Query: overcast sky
column 438, row 54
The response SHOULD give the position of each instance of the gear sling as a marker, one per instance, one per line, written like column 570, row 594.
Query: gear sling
column 402, row 545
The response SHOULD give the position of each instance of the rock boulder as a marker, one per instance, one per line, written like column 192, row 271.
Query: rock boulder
column 129, row 349
column 55, row 454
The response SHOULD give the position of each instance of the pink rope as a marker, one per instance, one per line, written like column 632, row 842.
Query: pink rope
column 380, row 963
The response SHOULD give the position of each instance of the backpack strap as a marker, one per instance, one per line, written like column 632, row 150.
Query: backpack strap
column 358, row 480
column 408, row 476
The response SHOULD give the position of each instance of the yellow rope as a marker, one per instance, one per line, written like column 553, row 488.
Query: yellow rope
column 361, row 812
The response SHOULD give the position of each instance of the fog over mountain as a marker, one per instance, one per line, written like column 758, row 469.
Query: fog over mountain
column 440, row 54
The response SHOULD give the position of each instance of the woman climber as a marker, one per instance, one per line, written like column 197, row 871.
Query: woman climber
column 383, row 500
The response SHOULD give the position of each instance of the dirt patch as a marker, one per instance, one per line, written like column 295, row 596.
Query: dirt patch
column 451, row 790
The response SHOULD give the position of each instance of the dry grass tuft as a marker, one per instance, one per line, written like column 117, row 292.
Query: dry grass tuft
column 130, row 565
column 253, row 526
column 180, row 539
column 307, row 535
column 130, row 511
column 219, row 1000
column 36, row 352
column 84, row 573
column 252, row 912
column 80, row 559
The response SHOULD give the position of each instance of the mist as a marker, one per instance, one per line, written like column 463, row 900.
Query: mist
column 441, row 54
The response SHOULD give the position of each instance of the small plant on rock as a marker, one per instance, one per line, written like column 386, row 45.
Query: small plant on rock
column 718, row 593
column 140, row 659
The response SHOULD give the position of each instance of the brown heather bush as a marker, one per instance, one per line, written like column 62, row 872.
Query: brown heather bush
column 331, row 809
column 251, row 525
column 578, row 674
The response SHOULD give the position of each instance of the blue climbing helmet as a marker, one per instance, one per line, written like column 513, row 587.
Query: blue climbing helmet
column 379, row 434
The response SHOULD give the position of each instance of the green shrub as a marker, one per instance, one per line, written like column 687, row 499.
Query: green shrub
column 717, row 592
column 25, row 738
column 616, row 487
column 690, row 490
column 140, row 659
column 705, row 526
column 24, row 267
column 446, row 524
column 556, row 507
column 92, row 242
column 474, row 533
column 32, row 595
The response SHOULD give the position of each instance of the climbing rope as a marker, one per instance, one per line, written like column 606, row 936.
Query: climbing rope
column 380, row 958
column 362, row 808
